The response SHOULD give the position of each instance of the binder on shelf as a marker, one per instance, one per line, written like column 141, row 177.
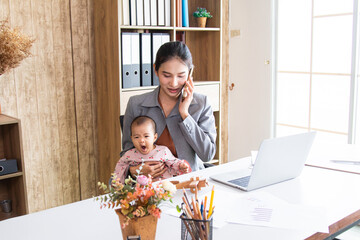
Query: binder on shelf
column 125, row 12
column 147, row 21
column 185, row 13
column 165, row 37
column 153, row 12
column 139, row 13
column 135, row 60
column 130, row 58
column 157, row 40
column 167, row 13
column 161, row 12
column 145, row 59
column 126, row 60
column 132, row 12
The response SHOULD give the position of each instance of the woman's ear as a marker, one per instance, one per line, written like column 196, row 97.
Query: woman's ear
column 156, row 72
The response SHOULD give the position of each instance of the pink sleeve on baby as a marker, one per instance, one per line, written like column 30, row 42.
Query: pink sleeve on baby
column 172, row 162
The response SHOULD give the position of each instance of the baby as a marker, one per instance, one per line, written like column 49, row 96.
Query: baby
column 143, row 136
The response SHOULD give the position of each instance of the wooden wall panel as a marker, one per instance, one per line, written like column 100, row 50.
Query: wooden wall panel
column 84, row 78
column 64, row 82
column 225, row 83
column 47, row 102
column 53, row 95
column 26, row 99
column 107, row 85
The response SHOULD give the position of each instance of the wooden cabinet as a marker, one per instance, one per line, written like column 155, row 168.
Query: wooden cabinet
column 205, row 45
column 12, row 186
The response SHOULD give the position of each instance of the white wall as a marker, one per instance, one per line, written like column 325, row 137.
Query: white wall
column 250, row 112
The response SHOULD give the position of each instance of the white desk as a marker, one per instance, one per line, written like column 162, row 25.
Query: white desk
column 333, row 190
column 322, row 154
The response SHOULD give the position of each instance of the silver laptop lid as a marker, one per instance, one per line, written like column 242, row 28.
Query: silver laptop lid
column 280, row 159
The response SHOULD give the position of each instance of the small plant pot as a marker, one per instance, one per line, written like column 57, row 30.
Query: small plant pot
column 143, row 226
column 201, row 21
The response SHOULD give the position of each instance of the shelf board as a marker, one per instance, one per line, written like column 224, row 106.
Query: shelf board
column 4, row 119
column 214, row 161
column 198, row 29
column 4, row 216
column 12, row 175
column 147, row 28
column 163, row 28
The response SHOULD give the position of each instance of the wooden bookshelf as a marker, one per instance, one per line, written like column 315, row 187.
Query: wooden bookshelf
column 12, row 186
column 206, row 46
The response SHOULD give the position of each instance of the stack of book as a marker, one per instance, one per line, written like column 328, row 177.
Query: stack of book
column 153, row 13
column 182, row 13
column 146, row 12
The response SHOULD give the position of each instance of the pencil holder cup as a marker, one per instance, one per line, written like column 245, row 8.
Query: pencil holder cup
column 194, row 229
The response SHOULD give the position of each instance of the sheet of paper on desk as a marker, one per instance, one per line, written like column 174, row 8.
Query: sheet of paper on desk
column 263, row 209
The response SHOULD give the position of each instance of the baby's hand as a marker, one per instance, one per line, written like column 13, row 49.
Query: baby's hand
column 184, row 167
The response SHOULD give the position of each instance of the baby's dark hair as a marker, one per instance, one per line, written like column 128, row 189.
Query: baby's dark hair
column 171, row 50
column 141, row 120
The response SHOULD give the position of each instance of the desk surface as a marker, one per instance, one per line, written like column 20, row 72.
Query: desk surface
column 333, row 190
column 322, row 154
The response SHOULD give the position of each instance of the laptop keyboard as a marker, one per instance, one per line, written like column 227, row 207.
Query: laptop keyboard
column 243, row 182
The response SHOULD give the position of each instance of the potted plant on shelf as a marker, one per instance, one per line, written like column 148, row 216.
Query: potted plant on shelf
column 136, row 202
column 202, row 15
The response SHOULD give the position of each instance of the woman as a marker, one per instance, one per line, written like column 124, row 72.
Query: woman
column 186, row 125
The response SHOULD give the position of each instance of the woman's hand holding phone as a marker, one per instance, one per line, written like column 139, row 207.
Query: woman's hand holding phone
column 187, row 96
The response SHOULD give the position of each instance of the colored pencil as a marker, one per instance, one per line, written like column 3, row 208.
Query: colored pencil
column 211, row 202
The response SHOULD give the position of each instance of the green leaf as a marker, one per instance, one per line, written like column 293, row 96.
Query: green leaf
column 178, row 208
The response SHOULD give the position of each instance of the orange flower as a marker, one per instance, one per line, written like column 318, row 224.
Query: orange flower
column 124, row 204
column 139, row 212
column 134, row 199
column 153, row 210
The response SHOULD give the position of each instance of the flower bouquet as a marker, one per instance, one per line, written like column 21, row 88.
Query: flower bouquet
column 135, row 200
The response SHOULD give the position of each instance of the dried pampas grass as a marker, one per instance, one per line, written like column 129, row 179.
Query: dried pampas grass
column 14, row 47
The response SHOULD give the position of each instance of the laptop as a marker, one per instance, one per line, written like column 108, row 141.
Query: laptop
column 278, row 160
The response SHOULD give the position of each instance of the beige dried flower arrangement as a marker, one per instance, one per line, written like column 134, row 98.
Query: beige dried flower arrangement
column 14, row 47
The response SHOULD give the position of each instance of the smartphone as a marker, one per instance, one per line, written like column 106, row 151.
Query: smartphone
column 184, row 94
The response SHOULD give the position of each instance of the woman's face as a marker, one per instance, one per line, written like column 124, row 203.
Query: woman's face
column 172, row 77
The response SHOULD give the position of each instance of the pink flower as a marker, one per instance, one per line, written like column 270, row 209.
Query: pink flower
column 142, row 180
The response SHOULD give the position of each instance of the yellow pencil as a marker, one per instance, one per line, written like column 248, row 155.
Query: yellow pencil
column 211, row 202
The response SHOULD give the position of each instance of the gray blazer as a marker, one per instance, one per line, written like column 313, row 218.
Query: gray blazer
column 194, row 138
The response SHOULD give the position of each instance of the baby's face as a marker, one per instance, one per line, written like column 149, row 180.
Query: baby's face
column 143, row 138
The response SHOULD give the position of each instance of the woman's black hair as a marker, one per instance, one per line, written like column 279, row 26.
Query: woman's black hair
column 171, row 50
